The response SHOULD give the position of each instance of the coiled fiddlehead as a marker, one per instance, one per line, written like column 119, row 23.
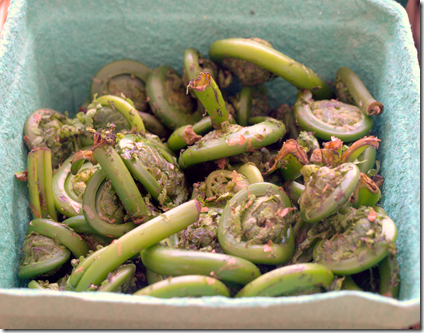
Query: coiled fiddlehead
column 125, row 77
column 156, row 169
column 168, row 99
column 222, row 184
column 102, row 208
column 217, row 189
column 48, row 245
column 61, row 233
column 365, row 238
column 47, row 128
column 326, row 190
column 106, row 111
column 41, row 256
column 46, row 285
column 68, row 189
column 327, row 118
column 308, row 142
column 203, row 234
column 255, row 225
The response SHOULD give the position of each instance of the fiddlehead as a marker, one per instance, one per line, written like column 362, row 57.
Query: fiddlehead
column 255, row 225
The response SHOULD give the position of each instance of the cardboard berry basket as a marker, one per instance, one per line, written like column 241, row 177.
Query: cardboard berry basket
column 51, row 49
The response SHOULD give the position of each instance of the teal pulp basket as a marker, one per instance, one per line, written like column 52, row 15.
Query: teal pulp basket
column 51, row 49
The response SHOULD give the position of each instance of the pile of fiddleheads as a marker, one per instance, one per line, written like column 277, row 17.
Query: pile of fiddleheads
column 171, row 186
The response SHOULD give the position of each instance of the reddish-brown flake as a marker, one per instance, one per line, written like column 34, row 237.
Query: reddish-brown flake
column 372, row 215
column 240, row 140
column 190, row 136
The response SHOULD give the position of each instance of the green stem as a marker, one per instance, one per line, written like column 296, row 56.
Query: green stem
column 294, row 190
column 48, row 185
column 121, row 276
column 358, row 147
column 194, row 63
column 251, row 172
column 367, row 193
column 191, row 63
column 185, row 286
column 40, row 183
column 80, row 225
column 368, row 158
column 210, row 96
column 388, row 269
column 288, row 279
column 272, row 60
column 299, row 227
column 175, row 262
column 79, row 271
column 350, row 284
column 140, row 238
column 221, row 144
column 33, row 188
column 245, row 102
column 257, row 119
column 252, row 98
column 35, row 285
column 122, row 182
column 181, row 136
column 153, row 277
column 348, row 82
